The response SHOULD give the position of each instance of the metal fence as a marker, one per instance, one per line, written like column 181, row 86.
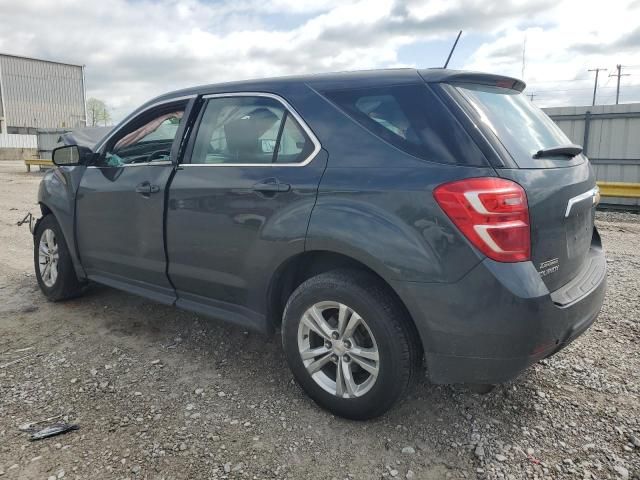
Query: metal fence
column 48, row 140
column 610, row 136
column 17, row 141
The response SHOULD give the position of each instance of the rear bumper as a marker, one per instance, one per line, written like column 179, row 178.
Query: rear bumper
column 500, row 318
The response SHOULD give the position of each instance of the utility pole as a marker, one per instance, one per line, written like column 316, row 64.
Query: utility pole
column 595, row 86
column 619, row 74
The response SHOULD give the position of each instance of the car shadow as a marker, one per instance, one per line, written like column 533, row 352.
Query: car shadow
column 444, row 422
column 247, row 353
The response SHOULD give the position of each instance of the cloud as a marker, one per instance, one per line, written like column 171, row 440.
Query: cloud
column 134, row 50
column 626, row 42
column 569, row 40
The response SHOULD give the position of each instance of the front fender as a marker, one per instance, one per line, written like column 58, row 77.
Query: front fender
column 57, row 194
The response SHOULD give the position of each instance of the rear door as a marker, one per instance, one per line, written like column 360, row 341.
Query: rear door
column 240, row 203
column 560, row 189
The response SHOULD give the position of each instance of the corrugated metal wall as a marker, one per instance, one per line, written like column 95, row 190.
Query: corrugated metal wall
column 611, row 135
column 18, row 141
column 48, row 140
column 40, row 94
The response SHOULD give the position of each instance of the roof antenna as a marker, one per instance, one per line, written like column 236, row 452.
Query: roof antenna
column 452, row 49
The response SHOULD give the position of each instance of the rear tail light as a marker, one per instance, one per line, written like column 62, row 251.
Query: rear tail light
column 492, row 213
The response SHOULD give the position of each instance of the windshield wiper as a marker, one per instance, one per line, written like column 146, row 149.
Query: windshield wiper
column 570, row 150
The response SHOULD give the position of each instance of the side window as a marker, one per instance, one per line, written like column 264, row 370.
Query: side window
column 149, row 141
column 387, row 112
column 256, row 130
column 411, row 118
column 294, row 145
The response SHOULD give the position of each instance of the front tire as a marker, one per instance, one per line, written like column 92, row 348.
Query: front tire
column 349, row 343
column 54, row 268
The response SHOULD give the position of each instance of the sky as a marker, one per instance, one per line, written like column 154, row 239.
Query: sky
column 137, row 49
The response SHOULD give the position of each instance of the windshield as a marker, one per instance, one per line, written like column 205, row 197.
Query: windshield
column 522, row 127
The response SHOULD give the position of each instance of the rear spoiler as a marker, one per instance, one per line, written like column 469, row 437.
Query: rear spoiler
column 441, row 75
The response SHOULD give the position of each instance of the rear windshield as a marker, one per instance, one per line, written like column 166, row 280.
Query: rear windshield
column 412, row 119
column 522, row 127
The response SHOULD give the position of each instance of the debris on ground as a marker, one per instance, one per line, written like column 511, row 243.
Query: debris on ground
column 51, row 430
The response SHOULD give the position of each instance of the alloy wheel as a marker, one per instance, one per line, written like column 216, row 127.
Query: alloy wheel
column 338, row 349
column 48, row 257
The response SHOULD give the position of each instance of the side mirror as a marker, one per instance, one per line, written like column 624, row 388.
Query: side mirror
column 71, row 155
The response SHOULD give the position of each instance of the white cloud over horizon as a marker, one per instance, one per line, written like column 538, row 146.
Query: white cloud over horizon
column 134, row 50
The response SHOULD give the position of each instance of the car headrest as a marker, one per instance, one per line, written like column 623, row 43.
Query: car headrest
column 243, row 134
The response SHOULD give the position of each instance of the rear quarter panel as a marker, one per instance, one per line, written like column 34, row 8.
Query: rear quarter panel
column 388, row 219
column 375, row 203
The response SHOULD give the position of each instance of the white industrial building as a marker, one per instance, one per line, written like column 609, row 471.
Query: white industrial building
column 37, row 94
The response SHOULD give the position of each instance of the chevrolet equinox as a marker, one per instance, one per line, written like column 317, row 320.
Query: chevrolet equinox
column 381, row 220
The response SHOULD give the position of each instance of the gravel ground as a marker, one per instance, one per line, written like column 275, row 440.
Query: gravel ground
column 160, row 393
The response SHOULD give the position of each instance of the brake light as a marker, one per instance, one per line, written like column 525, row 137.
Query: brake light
column 492, row 213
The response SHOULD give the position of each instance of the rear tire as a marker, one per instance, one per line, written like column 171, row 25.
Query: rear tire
column 53, row 265
column 349, row 343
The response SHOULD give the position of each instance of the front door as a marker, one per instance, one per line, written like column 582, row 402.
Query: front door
column 240, row 204
column 120, row 204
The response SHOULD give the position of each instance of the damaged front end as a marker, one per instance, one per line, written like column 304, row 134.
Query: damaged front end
column 31, row 221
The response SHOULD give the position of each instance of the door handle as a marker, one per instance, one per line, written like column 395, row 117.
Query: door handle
column 146, row 188
column 271, row 185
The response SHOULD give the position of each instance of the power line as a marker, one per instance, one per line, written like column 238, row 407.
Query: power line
column 569, row 89
column 627, row 95
column 550, row 90
column 562, row 80
column 581, row 89
column 607, row 82
column 595, row 85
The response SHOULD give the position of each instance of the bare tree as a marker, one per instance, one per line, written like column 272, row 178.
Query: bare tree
column 97, row 113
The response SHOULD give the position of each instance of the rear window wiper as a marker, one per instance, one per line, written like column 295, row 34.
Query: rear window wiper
column 570, row 150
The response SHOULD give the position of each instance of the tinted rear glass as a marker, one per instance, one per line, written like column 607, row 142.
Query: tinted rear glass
column 411, row 118
column 522, row 127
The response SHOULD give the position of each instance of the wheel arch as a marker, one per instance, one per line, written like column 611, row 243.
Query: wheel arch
column 57, row 196
column 296, row 269
column 67, row 229
column 44, row 209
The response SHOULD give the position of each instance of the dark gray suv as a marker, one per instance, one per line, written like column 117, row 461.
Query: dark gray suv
column 378, row 219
